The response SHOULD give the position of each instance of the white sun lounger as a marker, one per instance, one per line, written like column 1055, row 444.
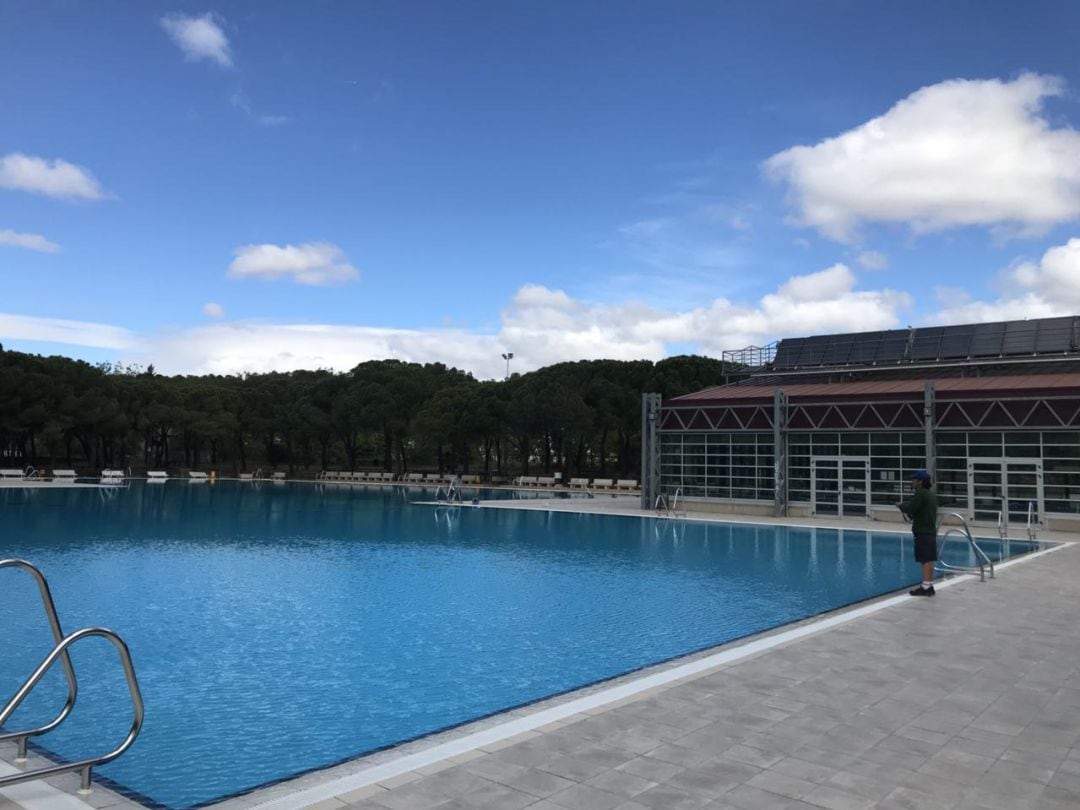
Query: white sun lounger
column 196, row 476
column 156, row 475
column 65, row 475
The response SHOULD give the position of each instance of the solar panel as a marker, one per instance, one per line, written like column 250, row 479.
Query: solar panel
column 926, row 343
column 956, row 342
column 787, row 353
column 813, row 351
column 1055, row 335
column 986, row 340
column 837, row 350
column 864, row 348
column 1019, row 337
column 893, row 346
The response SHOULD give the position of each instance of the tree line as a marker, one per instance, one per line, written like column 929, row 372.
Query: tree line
column 579, row 418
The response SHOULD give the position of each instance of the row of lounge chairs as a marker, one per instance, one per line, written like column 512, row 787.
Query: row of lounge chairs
column 113, row 475
column 405, row 478
column 338, row 475
column 595, row 484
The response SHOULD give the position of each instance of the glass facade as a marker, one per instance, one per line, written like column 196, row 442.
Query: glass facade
column 892, row 457
column 728, row 466
column 979, row 473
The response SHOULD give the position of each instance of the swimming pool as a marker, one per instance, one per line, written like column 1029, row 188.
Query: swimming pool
column 278, row 629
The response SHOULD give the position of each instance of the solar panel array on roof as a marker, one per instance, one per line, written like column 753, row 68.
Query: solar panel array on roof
column 932, row 344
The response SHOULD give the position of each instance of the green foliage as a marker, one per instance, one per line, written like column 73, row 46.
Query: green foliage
column 577, row 418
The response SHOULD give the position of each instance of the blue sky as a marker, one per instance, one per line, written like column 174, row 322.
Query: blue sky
column 248, row 186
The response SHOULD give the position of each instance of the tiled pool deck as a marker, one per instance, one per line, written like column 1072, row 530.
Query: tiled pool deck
column 968, row 700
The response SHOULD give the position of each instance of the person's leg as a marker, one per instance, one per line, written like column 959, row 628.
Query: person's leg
column 925, row 556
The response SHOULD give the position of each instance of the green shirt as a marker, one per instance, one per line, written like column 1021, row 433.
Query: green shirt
column 921, row 507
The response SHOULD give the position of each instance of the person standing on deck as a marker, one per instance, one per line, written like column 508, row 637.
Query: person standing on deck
column 922, row 508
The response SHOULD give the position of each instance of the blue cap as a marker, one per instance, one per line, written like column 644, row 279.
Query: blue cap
column 922, row 475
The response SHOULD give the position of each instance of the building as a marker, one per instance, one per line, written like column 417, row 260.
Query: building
column 834, row 425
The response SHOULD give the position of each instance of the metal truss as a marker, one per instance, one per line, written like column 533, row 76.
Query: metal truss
column 1021, row 413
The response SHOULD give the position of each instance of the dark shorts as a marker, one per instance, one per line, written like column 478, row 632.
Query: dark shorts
column 925, row 547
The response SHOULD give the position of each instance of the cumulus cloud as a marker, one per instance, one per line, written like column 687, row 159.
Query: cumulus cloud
column 53, row 178
column 29, row 241
column 313, row 263
column 212, row 310
column 72, row 333
column 199, row 37
column 962, row 152
column 540, row 326
column 1040, row 289
column 872, row 260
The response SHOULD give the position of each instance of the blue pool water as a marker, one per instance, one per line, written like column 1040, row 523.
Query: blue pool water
column 276, row 629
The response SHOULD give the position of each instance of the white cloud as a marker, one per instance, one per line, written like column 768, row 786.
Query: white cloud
column 30, row 241
column 198, row 37
column 314, row 263
column 1040, row 289
column 212, row 310
column 962, row 152
column 540, row 326
column 56, row 178
column 73, row 333
column 872, row 260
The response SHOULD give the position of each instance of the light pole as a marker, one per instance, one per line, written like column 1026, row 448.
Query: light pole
column 508, row 356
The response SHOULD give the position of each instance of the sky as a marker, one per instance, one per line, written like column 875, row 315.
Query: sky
column 232, row 187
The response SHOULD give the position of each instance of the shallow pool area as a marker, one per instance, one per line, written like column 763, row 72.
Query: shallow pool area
column 278, row 629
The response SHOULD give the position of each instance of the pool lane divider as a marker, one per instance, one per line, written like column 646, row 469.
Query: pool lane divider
column 468, row 743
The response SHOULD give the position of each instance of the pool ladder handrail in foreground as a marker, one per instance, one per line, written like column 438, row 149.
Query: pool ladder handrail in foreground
column 981, row 558
column 60, row 652
column 20, row 737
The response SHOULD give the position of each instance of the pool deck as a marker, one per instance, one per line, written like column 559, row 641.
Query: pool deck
column 967, row 700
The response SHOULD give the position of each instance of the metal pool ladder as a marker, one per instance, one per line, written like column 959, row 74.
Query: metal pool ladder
column 60, row 653
column 983, row 561
column 670, row 509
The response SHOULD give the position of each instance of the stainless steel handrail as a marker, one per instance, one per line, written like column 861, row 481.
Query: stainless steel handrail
column 984, row 561
column 675, row 502
column 21, row 737
column 1031, row 521
column 82, row 765
column 663, row 507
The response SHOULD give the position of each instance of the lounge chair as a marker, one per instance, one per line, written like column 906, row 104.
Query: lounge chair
column 626, row 483
column 197, row 477
column 579, row 483
column 156, row 475
column 603, row 483
column 63, row 475
column 247, row 476
column 545, row 481
column 112, row 474
column 278, row 476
